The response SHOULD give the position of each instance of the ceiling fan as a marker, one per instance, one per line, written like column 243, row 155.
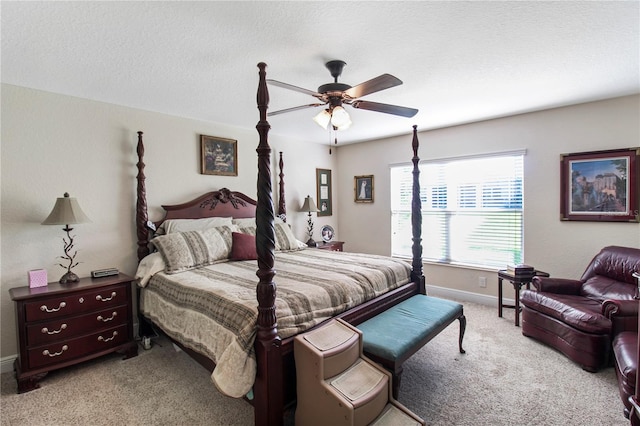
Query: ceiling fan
column 335, row 95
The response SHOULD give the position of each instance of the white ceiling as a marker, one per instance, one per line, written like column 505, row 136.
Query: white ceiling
column 459, row 61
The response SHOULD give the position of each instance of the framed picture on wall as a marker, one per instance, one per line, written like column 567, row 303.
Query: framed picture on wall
column 600, row 186
column 323, row 188
column 363, row 189
column 219, row 156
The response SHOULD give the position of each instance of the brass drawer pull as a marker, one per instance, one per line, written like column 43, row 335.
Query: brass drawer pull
column 45, row 330
column 46, row 352
column 108, row 339
column 44, row 308
column 106, row 299
column 101, row 318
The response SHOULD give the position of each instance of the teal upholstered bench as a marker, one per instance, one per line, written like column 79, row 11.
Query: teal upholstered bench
column 392, row 336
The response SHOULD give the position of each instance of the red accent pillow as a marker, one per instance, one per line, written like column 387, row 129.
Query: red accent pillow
column 243, row 247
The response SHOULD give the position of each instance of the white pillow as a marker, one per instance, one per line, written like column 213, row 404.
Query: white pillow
column 148, row 267
column 183, row 225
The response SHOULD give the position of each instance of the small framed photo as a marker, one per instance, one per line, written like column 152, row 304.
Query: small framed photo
column 363, row 189
column 219, row 156
column 327, row 233
column 600, row 186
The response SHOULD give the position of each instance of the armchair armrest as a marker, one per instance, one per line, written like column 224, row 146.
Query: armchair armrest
column 620, row 308
column 557, row 285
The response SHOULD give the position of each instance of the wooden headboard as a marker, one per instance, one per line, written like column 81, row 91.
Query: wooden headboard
column 220, row 203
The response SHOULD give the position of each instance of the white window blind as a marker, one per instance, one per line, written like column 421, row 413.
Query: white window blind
column 472, row 211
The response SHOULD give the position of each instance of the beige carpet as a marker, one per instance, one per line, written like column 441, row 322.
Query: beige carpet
column 503, row 379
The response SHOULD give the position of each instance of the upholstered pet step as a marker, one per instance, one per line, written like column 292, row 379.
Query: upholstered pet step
column 394, row 415
column 337, row 345
column 337, row 385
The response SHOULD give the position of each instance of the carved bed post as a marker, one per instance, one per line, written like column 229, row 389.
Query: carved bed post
column 282, row 203
column 416, row 218
column 141, row 204
column 268, row 399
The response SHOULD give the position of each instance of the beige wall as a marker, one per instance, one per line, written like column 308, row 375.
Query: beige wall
column 559, row 247
column 53, row 143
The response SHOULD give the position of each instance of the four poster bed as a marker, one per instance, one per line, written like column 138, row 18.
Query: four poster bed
column 197, row 281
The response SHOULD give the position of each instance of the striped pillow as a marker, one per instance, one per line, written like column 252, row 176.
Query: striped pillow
column 183, row 251
column 285, row 240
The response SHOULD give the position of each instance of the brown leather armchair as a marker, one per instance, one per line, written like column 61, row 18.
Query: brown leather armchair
column 580, row 317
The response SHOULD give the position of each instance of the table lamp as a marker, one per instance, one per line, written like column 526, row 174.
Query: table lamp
column 67, row 212
column 309, row 206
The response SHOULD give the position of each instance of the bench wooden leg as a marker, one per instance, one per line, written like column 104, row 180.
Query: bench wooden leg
column 395, row 385
column 463, row 327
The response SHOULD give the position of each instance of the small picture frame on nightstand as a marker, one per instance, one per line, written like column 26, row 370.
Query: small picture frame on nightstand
column 37, row 278
column 327, row 233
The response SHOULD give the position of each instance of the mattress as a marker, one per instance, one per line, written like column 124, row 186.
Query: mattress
column 213, row 309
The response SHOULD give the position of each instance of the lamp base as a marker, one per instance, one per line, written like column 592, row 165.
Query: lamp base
column 312, row 243
column 69, row 278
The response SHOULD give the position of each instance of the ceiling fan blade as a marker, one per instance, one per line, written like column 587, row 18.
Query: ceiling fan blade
column 386, row 108
column 282, row 111
column 384, row 81
column 295, row 88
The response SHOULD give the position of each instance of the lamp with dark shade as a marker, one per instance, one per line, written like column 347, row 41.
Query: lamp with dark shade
column 67, row 212
column 309, row 206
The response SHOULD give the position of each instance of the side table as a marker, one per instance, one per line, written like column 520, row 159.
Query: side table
column 518, row 281
column 331, row 245
column 64, row 324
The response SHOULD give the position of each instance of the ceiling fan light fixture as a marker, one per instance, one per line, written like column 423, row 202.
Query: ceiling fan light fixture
column 345, row 126
column 322, row 119
column 340, row 118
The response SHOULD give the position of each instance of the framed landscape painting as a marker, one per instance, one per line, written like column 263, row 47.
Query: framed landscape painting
column 600, row 186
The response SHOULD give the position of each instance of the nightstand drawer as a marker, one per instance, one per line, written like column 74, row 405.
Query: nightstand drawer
column 55, row 353
column 66, row 328
column 55, row 307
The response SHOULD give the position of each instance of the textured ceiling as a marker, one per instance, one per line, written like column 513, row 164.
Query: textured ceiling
column 459, row 61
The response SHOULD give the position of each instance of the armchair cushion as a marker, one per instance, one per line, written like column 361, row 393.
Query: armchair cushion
column 579, row 312
column 602, row 288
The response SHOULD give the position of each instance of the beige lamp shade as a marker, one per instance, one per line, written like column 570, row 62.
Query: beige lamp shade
column 323, row 118
column 340, row 118
column 309, row 205
column 66, row 211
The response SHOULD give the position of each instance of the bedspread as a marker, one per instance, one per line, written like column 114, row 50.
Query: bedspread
column 213, row 309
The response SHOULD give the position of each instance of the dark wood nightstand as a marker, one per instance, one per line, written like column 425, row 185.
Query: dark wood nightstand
column 331, row 245
column 64, row 324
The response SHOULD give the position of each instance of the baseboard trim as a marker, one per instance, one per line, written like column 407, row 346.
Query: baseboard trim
column 6, row 363
column 466, row 296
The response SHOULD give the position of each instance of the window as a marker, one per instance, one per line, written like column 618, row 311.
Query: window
column 472, row 210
